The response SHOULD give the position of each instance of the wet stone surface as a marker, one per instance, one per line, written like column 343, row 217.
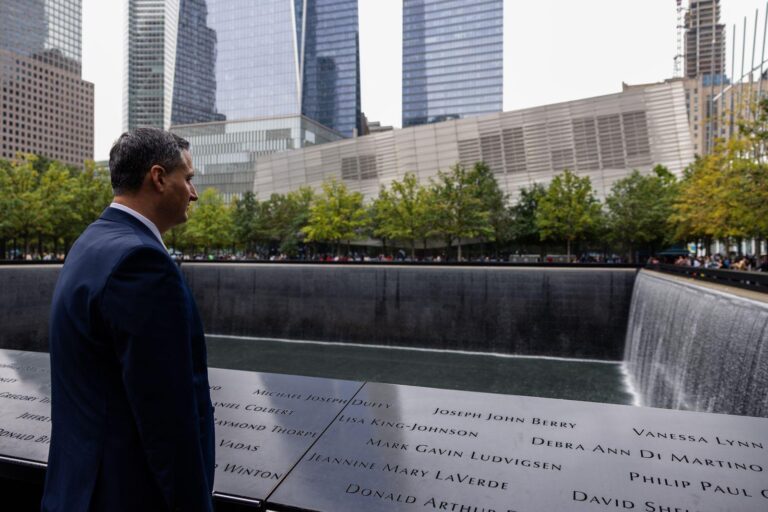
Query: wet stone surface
column 406, row 448
column 264, row 424
column 303, row 443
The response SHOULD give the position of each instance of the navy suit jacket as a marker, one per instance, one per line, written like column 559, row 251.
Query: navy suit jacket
column 132, row 416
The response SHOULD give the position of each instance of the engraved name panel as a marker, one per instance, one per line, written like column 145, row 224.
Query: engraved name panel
column 264, row 424
column 409, row 448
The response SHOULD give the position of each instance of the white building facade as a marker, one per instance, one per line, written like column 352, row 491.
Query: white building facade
column 604, row 138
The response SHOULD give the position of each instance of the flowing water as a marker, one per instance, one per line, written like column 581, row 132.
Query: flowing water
column 695, row 347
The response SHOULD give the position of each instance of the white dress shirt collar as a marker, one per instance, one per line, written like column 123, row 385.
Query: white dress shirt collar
column 140, row 217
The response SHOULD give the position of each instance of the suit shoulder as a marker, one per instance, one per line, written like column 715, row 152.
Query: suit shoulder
column 145, row 258
column 107, row 246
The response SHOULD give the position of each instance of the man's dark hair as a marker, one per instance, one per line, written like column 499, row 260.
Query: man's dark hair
column 135, row 152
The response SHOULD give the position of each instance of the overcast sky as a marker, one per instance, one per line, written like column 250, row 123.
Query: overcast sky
column 554, row 50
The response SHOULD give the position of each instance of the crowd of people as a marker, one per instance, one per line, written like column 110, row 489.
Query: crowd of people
column 749, row 263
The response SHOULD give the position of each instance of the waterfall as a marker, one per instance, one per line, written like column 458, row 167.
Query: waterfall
column 698, row 347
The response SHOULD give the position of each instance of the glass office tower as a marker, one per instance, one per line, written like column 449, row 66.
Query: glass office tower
column 330, row 63
column 47, row 108
column 48, row 30
column 452, row 59
column 217, row 60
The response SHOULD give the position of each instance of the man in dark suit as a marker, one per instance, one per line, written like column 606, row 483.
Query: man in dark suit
column 131, row 410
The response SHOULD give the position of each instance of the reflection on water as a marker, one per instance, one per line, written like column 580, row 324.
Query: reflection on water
column 593, row 381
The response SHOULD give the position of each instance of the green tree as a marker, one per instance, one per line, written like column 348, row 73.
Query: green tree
column 706, row 203
column 24, row 203
column 523, row 228
column 6, row 228
column 336, row 215
column 57, row 198
column 494, row 202
column 639, row 209
column 300, row 201
column 92, row 193
column 210, row 223
column 284, row 217
column 459, row 210
column 402, row 212
column 568, row 211
column 177, row 238
column 244, row 217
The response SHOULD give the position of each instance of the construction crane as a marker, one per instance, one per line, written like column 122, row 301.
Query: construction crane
column 677, row 70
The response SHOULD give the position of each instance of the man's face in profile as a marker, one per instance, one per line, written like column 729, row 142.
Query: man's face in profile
column 180, row 191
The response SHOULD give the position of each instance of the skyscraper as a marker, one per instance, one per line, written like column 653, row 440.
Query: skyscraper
column 452, row 59
column 704, row 39
column 198, row 61
column 46, row 108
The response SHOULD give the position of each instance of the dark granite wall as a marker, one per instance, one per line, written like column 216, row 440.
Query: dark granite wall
column 25, row 297
column 538, row 311
column 579, row 312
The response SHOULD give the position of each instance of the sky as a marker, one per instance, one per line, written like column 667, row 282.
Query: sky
column 554, row 51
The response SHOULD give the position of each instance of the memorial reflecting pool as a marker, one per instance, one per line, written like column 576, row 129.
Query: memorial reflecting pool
column 593, row 381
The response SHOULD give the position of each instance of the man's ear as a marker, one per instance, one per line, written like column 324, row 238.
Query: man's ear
column 157, row 177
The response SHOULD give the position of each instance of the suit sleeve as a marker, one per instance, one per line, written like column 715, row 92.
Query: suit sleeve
column 146, row 306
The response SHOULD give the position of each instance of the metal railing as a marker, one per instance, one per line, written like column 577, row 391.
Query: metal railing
column 757, row 281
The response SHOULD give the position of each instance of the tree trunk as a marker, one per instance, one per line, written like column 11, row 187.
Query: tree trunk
column 413, row 250
column 458, row 250
column 568, row 249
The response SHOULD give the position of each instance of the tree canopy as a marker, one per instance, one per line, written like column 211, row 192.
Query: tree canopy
column 568, row 210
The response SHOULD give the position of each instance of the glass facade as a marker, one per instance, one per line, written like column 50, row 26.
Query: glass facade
column 256, row 64
column 46, row 108
column 225, row 153
column 240, row 59
column 194, row 89
column 331, row 63
column 47, row 30
column 452, row 59
column 144, row 95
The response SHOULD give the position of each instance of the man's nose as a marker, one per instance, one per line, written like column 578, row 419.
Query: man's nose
column 193, row 193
